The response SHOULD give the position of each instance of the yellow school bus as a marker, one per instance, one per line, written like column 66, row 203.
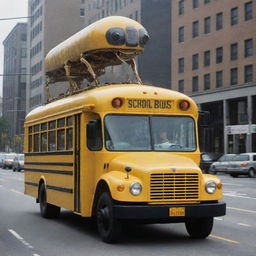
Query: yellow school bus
column 119, row 153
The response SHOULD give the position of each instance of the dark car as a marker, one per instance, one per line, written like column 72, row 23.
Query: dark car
column 207, row 158
column 18, row 163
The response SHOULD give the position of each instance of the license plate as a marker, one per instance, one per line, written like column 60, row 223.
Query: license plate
column 177, row 211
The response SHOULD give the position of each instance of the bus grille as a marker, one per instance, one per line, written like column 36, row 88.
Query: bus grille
column 174, row 186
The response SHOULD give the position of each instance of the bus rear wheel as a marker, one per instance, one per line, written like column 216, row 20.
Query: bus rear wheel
column 47, row 210
column 199, row 228
column 109, row 228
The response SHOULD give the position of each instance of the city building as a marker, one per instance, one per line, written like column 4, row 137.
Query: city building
column 51, row 22
column 155, row 15
column 14, row 80
column 1, row 106
column 214, row 61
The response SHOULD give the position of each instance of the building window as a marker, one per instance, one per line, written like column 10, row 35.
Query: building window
column 207, row 58
column 194, row 61
column 207, row 81
column 207, row 25
column 219, row 79
column 195, row 3
column 181, row 34
column 23, row 37
column 82, row 12
column 207, row 1
column 23, row 52
column 234, row 16
column 181, row 86
column 195, row 29
column 234, row 51
column 248, row 74
column 233, row 76
column 195, row 84
column 248, row 11
column 219, row 21
column 219, row 55
column 181, row 7
column 181, row 65
column 248, row 48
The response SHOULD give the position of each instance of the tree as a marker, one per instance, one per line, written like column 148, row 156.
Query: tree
column 17, row 141
column 4, row 126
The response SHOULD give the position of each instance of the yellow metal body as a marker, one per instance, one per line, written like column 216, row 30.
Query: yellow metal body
column 93, row 45
column 72, row 181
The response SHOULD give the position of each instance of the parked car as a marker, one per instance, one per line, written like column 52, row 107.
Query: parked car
column 18, row 163
column 222, row 164
column 2, row 157
column 207, row 158
column 8, row 161
column 243, row 164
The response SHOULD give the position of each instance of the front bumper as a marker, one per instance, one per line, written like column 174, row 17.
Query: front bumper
column 161, row 212
column 240, row 170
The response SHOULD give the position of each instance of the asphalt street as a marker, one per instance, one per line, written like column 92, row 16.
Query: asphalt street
column 24, row 233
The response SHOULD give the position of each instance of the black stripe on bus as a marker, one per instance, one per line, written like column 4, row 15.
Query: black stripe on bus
column 50, row 163
column 31, row 184
column 49, row 153
column 66, row 190
column 49, row 171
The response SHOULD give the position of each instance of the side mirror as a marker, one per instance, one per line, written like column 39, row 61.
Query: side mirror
column 204, row 119
column 92, row 129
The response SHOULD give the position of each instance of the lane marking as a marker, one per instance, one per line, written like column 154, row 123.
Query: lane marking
column 17, row 192
column 233, row 184
column 218, row 218
column 242, row 210
column 243, row 224
column 21, row 239
column 225, row 239
column 238, row 196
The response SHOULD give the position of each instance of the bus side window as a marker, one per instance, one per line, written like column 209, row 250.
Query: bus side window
column 69, row 139
column 52, row 141
column 94, row 135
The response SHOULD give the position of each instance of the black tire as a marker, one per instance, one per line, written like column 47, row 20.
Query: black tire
column 251, row 173
column 199, row 228
column 47, row 210
column 109, row 228
column 14, row 170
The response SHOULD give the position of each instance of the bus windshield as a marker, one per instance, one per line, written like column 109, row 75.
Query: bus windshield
column 149, row 133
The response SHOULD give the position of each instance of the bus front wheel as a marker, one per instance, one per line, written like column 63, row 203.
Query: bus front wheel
column 199, row 228
column 47, row 210
column 109, row 228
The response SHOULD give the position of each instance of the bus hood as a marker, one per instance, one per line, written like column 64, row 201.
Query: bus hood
column 152, row 161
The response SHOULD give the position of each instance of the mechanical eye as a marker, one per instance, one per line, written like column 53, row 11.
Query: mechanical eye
column 144, row 37
column 116, row 36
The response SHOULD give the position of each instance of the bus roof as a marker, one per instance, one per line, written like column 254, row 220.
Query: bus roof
column 99, row 100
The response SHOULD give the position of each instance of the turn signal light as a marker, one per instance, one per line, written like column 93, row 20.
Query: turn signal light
column 219, row 185
column 117, row 103
column 184, row 105
column 120, row 188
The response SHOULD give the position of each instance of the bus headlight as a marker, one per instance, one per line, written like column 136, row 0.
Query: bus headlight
column 210, row 187
column 135, row 188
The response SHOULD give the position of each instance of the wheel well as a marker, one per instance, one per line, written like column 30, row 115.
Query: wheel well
column 101, row 188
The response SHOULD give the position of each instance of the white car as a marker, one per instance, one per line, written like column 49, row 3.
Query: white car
column 223, row 164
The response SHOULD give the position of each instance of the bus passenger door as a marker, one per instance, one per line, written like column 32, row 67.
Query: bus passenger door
column 77, row 174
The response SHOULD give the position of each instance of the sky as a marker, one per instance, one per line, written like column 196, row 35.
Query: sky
column 9, row 9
